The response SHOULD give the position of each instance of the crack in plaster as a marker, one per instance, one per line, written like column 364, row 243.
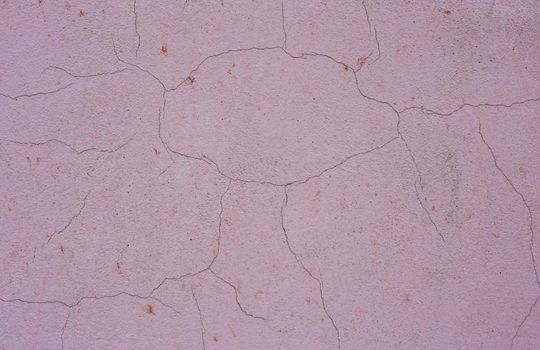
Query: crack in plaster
column 285, row 185
column 244, row 311
column 72, row 148
column 527, row 206
column 137, row 28
column 203, row 328
column 70, row 220
column 303, row 267
column 22, row 96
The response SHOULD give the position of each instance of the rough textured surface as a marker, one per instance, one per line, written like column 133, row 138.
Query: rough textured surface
column 269, row 175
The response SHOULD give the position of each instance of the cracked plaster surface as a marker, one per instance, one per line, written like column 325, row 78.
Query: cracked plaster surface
column 269, row 175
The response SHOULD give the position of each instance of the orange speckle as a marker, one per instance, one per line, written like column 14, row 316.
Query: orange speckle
column 82, row 13
column 40, row 2
column 156, row 152
column 191, row 79
column 318, row 194
column 150, row 309
column 406, row 299
column 522, row 171
column 118, row 269
column 447, row 12
column 361, row 61
column 62, row 249
column 28, row 159
column 164, row 50
column 258, row 107
column 238, row 284
column 67, row 6
column 214, row 338
column 259, row 294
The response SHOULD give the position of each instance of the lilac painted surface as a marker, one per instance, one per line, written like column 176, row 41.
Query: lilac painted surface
column 269, row 175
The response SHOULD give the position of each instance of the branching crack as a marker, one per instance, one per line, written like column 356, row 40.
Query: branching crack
column 301, row 264
column 138, row 67
column 523, row 200
column 214, row 258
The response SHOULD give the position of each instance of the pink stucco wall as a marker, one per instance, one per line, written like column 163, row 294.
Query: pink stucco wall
column 247, row 174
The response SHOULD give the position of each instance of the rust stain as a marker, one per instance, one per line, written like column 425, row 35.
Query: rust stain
column 447, row 12
column 238, row 285
column 406, row 299
column 164, row 50
column 361, row 61
column 191, row 79
column 40, row 2
column 150, row 309
column 82, row 13
column 118, row 269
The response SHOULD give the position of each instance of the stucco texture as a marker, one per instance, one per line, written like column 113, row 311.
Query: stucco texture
column 273, row 175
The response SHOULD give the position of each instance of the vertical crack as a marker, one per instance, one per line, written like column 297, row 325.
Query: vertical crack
column 367, row 15
column 64, row 329
column 301, row 264
column 525, row 203
column 136, row 28
column 219, row 228
column 203, row 329
column 283, row 25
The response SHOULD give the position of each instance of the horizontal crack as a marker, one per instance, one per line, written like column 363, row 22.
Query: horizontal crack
column 18, row 97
